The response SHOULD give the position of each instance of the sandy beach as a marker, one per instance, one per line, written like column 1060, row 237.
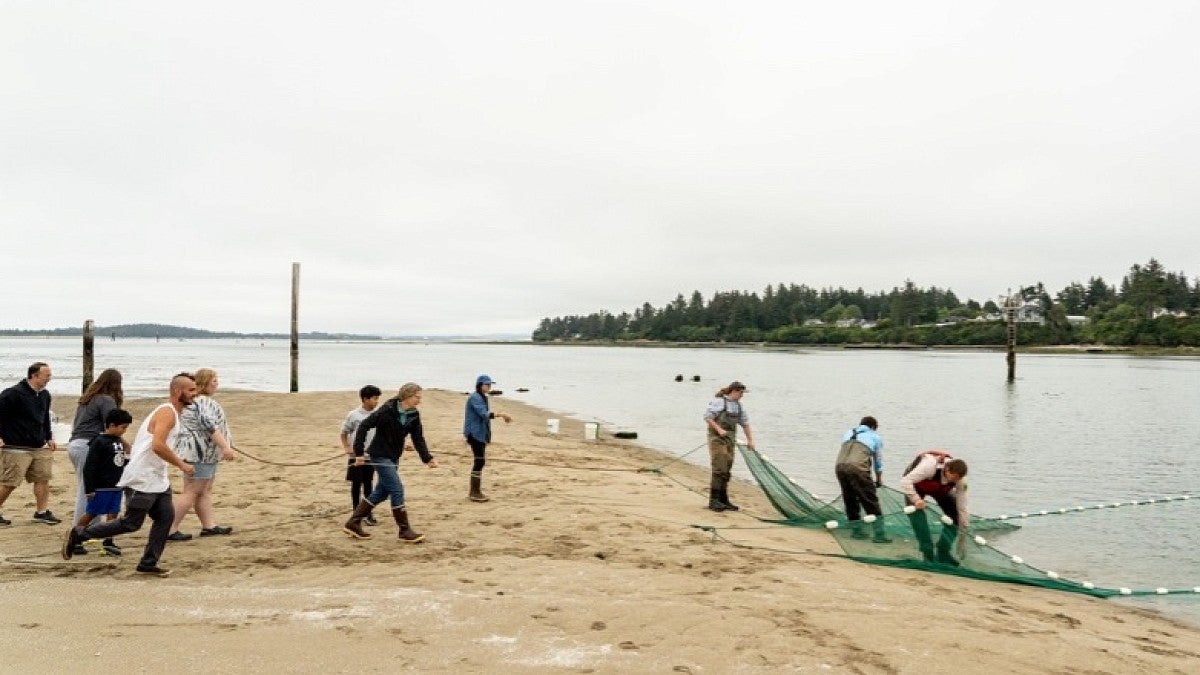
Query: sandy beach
column 582, row 562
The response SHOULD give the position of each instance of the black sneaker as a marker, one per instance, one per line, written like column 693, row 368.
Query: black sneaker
column 80, row 549
column 109, row 547
column 370, row 520
column 5, row 522
column 216, row 530
column 70, row 542
column 153, row 571
column 46, row 517
column 179, row 536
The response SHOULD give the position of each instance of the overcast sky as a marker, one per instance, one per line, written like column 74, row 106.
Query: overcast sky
column 472, row 167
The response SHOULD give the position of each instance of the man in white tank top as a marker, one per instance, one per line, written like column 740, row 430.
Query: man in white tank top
column 147, row 485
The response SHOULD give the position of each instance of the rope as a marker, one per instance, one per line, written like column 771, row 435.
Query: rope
column 500, row 460
column 111, row 561
column 808, row 551
column 267, row 461
column 676, row 459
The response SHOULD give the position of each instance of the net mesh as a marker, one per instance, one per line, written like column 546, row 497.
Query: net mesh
column 920, row 540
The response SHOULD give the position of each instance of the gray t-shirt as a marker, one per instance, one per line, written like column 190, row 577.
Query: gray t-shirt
column 89, row 418
column 350, row 426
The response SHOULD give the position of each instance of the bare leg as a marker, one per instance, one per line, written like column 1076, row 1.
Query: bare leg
column 5, row 491
column 41, row 495
column 184, row 501
column 204, row 507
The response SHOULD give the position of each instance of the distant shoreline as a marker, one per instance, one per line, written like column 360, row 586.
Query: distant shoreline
column 1138, row 350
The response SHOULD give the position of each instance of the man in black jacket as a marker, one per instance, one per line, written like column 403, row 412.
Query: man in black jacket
column 27, row 441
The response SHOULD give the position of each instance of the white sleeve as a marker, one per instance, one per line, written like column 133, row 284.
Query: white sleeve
column 925, row 469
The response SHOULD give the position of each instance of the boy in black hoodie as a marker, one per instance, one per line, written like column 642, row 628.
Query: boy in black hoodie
column 101, row 471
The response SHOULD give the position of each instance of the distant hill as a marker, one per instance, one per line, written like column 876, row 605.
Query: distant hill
column 158, row 330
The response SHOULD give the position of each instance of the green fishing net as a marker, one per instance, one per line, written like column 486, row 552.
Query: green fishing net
column 917, row 540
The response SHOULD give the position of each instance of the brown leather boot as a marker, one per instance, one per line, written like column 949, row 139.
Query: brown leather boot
column 476, row 491
column 353, row 527
column 407, row 534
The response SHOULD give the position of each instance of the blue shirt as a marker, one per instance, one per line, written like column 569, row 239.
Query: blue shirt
column 874, row 442
column 477, row 419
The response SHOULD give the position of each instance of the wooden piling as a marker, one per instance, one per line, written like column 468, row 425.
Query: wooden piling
column 295, row 328
column 89, row 354
column 1010, row 311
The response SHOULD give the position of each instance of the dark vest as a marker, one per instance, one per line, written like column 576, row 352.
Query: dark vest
column 932, row 487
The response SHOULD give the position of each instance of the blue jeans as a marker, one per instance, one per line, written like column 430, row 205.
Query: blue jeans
column 389, row 483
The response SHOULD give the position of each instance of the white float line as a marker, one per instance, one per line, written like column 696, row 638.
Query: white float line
column 1050, row 574
column 1095, row 507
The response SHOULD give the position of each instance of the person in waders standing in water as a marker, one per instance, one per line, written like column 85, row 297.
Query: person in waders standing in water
column 860, row 454
column 936, row 474
column 722, row 418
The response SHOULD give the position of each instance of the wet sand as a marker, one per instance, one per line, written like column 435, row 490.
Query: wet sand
column 582, row 562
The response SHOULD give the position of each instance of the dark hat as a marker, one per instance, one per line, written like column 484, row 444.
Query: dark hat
column 736, row 386
column 484, row 379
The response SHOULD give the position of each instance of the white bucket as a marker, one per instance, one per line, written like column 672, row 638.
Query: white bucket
column 591, row 431
column 552, row 426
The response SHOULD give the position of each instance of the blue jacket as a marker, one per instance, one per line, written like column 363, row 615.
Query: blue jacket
column 477, row 420
column 874, row 442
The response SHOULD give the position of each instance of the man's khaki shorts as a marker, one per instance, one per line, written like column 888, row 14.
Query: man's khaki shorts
column 32, row 466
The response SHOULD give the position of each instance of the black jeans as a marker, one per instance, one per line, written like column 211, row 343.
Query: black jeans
column 858, row 491
column 477, row 450
column 138, row 505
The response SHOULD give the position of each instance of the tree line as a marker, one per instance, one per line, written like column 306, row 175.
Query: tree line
column 1149, row 306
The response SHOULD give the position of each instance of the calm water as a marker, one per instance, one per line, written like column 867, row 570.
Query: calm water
column 1072, row 430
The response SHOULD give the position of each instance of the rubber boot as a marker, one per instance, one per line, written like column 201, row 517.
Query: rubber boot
column 407, row 534
column 880, row 536
column 476, row 492
column 729, row 506
column 920, row 528
column 714, row 500
column 857, row 529
column 945, row 546
column 353, row 527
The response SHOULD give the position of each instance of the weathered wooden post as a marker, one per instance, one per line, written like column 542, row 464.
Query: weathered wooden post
column 89, row 353
column 1010, row 311
column 295, row 328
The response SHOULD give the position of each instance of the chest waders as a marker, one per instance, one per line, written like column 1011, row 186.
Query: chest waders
column 853, row 471
column 935, row 489
column 721, row 449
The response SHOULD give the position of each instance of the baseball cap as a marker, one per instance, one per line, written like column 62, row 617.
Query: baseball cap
column 484, row 379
